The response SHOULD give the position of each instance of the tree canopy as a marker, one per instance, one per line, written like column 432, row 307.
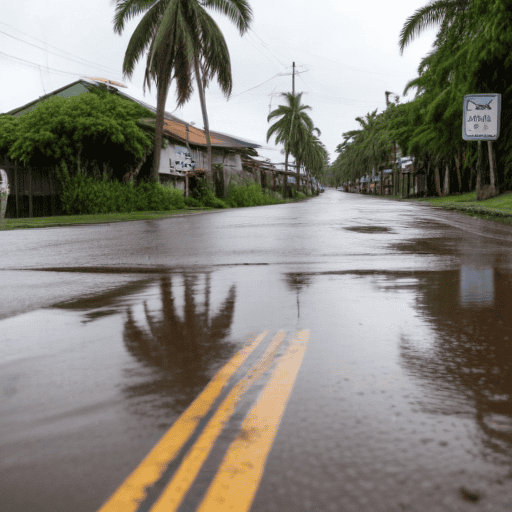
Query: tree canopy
column 472, row 54
column 99, row 130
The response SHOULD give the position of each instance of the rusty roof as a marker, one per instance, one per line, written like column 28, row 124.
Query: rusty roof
column 195, row 136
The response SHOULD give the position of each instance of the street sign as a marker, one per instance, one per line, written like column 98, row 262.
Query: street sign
column 481, row 117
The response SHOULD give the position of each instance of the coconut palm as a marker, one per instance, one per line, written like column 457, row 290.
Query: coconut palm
column 437, row 12
column 312, row 154
column 182, row 42
column 292, row 128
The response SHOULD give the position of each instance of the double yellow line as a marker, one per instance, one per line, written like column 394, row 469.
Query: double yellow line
column 237, row 479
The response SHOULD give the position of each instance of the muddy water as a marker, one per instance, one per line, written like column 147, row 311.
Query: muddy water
column 404, row 398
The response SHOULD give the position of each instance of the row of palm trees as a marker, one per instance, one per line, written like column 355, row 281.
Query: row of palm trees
column 471, row 54
column 296, row 131
column 183, row 44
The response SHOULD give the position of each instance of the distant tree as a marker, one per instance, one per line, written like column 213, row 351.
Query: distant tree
column 292, row 129
column 182, row 41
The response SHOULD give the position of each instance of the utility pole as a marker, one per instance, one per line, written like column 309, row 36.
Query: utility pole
column 293, row 79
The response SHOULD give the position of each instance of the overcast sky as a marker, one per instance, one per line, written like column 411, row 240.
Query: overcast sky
column 346, row 55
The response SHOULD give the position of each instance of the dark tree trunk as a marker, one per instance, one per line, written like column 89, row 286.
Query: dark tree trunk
column 457, row 165
column 437, row 180
column 200, row 90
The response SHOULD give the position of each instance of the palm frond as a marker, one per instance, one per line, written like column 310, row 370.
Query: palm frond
column 421, row 19
column 238, row 11
column 141, row 39
column 128, row 9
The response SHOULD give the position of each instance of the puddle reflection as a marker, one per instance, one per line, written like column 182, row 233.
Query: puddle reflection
column 476, row 285
column 180, row 350
column 177, row 334
column 467, row 366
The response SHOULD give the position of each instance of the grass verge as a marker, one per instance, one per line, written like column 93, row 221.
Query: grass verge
column 102, row 218
column 497, row 208
column 70, row 220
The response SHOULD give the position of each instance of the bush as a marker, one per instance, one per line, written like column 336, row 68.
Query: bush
column 192, row 202
column 251, row 195
column 85, row 195
column 205, row 196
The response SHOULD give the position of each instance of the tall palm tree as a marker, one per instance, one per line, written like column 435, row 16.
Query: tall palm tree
column 182, row 42
column 292, row 128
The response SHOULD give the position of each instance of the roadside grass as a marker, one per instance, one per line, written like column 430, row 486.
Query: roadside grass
column 102, row 218
column 497, row 208
column 69, row 220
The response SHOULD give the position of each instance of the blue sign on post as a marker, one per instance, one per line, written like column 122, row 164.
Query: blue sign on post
column 481, row 117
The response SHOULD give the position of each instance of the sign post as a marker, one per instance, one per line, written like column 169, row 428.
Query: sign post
column 481, row 121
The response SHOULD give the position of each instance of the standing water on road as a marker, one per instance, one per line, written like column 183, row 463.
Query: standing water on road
column 403, row 399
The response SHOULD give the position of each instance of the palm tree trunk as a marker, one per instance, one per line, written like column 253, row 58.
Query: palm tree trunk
column 159, row 128
column 457, row 165
column 200, row 89
column 446, row 190
column 437, row 180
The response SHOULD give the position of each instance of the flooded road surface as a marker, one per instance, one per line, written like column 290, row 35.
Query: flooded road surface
column 342, row 354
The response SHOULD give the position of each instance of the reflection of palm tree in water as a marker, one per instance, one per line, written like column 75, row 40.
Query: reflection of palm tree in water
column 181, row 353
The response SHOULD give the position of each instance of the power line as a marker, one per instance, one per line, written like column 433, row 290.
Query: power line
column 256, row 86
column 37, row 65
column 97, row 66
column 267, row 47
column 257, row 49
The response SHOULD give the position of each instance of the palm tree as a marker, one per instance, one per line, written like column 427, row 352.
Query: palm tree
column 182, row 42
column 292, row 128
column 437, row 12
column 312, row 154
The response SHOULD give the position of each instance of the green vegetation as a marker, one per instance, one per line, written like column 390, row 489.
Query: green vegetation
column 294, row 129
column 90, row 201
column 85, row 195
column 99, row 132
column 251, row 195
column 497, row 208
column 472, row 54
column 101, row 218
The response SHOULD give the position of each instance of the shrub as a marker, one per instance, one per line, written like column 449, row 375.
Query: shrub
column 192, row 202
column 85, row 195
column 251, row 195
column 205, row 196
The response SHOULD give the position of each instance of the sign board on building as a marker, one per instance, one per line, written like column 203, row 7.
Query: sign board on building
column 481, row 117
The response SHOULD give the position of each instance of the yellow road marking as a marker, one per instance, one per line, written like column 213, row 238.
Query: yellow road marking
column 240, row 473
column 177, row 488
column 133, row 490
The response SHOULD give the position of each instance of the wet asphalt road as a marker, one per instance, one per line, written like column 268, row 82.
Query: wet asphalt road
column 403, row 400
